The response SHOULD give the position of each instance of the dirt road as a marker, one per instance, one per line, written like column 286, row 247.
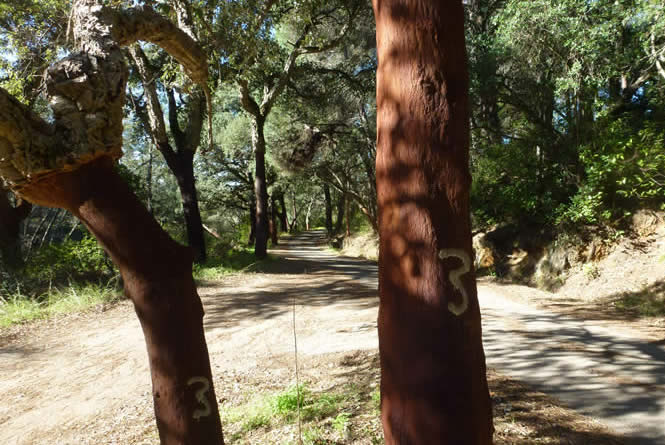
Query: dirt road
column 84, row 379
column 601, row 371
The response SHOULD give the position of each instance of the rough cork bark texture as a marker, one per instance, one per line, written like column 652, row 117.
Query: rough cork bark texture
column 86, row 91
column 433, row 384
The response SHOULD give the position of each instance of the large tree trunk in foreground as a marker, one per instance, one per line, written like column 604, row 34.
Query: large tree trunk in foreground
column 10, row 224
column 157, row 273
column 433, row 384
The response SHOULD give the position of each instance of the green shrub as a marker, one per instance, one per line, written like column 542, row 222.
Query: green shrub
column 624, row 170
column 69, row 261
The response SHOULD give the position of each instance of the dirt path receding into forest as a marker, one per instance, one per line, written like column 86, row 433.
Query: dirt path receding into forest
column 79, row 380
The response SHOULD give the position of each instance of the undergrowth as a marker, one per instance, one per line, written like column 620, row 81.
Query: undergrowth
column 327, row 416
column 227, row 261
column 19, row 308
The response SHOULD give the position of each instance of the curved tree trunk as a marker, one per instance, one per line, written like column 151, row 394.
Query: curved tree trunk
column 157, row 275
column 260, row 188
column 433, row 384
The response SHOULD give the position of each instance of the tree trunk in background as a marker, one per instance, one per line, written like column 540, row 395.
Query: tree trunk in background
column 10, row 224
column 284, row 223
column 433, row 384
column 309, row 213
column 329, row 223
column 149, row 182
column 260, row 188
column 274, row 238
column 182, row 166
column 341, row 206
column 252, row 214
column 157, row 275
column 294, row 218
column 347, row 212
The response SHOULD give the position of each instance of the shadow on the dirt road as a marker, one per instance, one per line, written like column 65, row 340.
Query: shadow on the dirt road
column 320, row 278
column 603, row 375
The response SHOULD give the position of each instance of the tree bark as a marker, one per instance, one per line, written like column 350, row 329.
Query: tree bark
column 341, row 206
column 252, row 216
column 433, row 383
column 190, row 206
column 347, row 212
column 274, row 236
column 328, row 203
column 283, row 221
column 260, row 188
column 156, row 272
column 10, row 224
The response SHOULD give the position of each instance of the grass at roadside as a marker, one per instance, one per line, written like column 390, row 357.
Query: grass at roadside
column 232, row 260
column 18, row 308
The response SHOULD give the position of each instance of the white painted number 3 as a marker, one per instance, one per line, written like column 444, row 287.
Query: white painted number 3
column 455, row 275
column 201, row 396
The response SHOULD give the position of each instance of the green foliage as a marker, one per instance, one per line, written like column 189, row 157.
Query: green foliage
column 510, row 183
column 71, row 260
column 624, row 170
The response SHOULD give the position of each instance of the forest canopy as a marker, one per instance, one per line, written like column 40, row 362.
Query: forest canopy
column 567, row 119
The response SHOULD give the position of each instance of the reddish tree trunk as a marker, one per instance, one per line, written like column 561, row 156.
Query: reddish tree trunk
column 158, row 278
column 433, row 384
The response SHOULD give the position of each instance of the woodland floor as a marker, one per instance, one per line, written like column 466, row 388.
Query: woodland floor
column 84, row 379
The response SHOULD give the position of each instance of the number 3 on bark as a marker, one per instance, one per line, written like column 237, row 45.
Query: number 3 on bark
column 455, row 308
column 201, row 397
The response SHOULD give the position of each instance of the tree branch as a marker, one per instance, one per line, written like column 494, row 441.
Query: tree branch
column 246, row 99
column 154, row 109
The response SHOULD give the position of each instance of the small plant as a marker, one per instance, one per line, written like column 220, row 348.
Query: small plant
column 591, row 271
column 341, row 423
column 376, row 399
column 286, row 404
